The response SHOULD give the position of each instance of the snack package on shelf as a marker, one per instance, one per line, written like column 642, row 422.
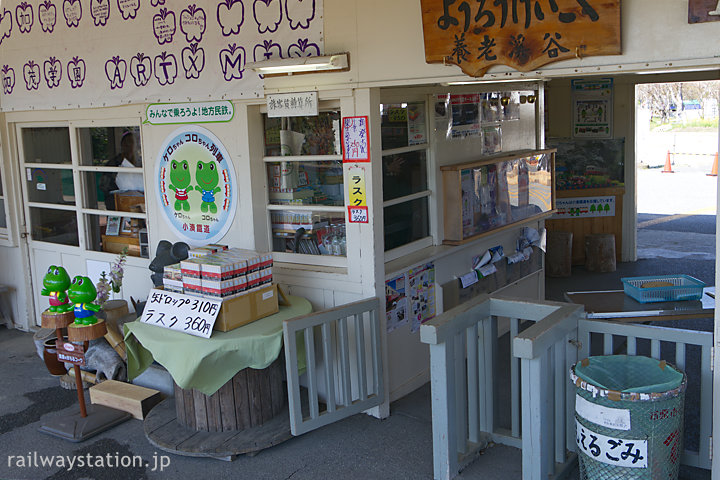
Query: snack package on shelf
column 173, row 272
column 217, row 271
column 173, row 285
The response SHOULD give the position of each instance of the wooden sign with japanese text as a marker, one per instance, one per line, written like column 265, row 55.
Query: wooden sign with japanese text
column 180, row 312
column 73, row 353
column 522, row 34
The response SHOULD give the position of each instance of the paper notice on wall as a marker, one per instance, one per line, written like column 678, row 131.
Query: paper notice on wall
column 395, row 303
column 421, row 295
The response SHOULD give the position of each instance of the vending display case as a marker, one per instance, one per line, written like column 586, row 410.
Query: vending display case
column 489, row 194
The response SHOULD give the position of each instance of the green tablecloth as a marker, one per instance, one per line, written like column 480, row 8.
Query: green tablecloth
column 206, row 364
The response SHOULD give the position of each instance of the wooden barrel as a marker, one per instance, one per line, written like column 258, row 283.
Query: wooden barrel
column 558, row 261
column 600, row 252
column 251, row 398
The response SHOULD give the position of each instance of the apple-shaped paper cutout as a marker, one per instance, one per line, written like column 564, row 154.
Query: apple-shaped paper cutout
column 72, row 10
column 193, row 23
column 128, row 8
column 8, row 79
column 52, row 68
column 164, row 26
column 299, row 13
column 303, row 48
column 193, row 60
column 232, row 62
column 230, row 16
column 100, row 11
column 24, row 17
column 76, row 72
column 268, row 15
column 31, row 74
column 266, row 50
column 115, row 71
column 47, row 14
column 141, row 69
column 165, row 67
column 6, row 23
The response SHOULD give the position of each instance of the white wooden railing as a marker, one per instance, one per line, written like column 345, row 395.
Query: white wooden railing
column 343, row 364
column 465, row 373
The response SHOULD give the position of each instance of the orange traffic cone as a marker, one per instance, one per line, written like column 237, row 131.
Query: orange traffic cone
column 668, row 166
column 713, row 172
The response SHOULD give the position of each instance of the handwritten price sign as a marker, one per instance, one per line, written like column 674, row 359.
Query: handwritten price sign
column 184, row 313
column 358, row 214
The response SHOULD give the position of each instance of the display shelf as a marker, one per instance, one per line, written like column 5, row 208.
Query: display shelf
column 489, row 194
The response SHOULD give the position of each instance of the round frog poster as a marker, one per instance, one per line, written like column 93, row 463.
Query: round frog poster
column 195, row 185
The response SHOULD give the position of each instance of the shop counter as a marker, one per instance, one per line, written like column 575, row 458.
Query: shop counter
column 615, row 305
column 206, row 364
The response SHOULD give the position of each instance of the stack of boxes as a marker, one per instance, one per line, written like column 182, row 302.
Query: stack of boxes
column 216, row 271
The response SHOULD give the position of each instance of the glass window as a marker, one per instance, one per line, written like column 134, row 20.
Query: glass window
column 114, row 233
column 308, row 232
column 406, row 222
column 50, row 185
column 110, row 146
column 54, row 226
column 107, row 175
column 404, row 173
column 403, row 125
column 46, row 145
column 318, row 135
column 314, row 182
column 306, row 183
column 3, row 220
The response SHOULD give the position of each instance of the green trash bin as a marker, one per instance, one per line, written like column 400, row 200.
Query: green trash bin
column 628, row 417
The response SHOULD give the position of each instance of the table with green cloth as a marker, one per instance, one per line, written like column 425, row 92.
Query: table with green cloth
column 206, row 364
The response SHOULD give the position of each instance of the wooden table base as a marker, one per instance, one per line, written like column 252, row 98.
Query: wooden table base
column 163, row 430
column 250, row 399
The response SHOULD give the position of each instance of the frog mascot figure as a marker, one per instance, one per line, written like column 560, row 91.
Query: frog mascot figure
column 55, row 285
column 179, row 182
column 207, row 177
column 82, row 293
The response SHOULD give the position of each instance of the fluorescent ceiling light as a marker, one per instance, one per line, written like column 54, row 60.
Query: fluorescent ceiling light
column 292, row 65
column 507, row 80
column 676, row 70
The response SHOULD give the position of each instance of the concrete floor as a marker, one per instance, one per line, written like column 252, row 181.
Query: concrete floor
column 360, row 447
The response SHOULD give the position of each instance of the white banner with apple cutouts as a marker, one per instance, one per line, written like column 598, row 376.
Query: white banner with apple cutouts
column 94, row 53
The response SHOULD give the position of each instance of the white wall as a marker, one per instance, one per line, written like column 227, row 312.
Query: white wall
column 385, row 41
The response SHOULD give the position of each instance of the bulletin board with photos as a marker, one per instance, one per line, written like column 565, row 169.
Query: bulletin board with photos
column 488, row 194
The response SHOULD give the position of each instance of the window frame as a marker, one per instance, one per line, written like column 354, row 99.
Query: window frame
column 429, row 193
column 7, row 236
column 341, row 210
column 79, row 180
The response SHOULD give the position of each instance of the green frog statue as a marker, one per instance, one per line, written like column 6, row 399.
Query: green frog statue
column 82, row 293
column 55, row 285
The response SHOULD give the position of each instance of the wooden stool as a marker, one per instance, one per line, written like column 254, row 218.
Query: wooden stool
column 558, row 261
column 600, row 252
